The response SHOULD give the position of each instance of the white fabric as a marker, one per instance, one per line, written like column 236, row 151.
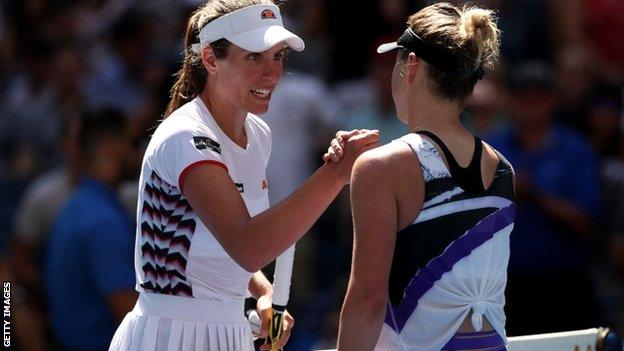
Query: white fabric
column 282, row 276
column 254, row 28
column 429, row 157
column 586, row 339
column 462, row 205
column 161, row 322
column 383, row 48
column 565, row 341
column 300, row 104
column 211, row 273
column 443, row 308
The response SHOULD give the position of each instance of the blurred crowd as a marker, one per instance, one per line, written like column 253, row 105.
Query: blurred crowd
column 554, row 107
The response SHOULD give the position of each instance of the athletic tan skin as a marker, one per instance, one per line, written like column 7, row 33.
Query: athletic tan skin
column 387, row 192
column 253, row 242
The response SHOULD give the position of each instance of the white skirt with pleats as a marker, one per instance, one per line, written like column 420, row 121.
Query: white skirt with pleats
column 170, row 323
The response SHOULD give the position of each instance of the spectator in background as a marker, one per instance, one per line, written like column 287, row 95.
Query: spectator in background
column 607, row 137
column 117, row 74
column 604, row 118
column 30, row 120
column 612, row 177
column 367, row 103
column 598, row 27
column 310, row 18
column 299, row 117
column 557, row 189
column 485, row 112
column 300, row 113
column 89, row 272
column 380, row 16
column 35, row 215
column 574, row 82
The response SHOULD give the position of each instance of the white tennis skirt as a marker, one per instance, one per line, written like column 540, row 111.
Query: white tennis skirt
column 161, row 322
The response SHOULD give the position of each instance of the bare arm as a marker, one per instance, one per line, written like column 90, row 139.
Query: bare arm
column 262, row 290
column 259, row 285
column 375, row 217
column 255, row 241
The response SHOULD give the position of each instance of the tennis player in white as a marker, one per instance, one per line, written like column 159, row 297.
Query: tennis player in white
column 204, row 227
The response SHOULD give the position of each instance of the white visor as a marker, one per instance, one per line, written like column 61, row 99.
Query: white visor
column 387, row 47
column 255, row 28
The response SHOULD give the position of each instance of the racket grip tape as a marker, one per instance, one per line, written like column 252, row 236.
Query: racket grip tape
column 276, row 325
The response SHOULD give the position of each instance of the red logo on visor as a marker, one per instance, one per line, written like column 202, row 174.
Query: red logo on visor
column 266, row 14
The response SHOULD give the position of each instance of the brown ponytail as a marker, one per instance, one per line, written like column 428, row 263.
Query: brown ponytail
column 191, row 78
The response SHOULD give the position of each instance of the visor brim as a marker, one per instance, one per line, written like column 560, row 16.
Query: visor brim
column 263, row 38
column 387, row 47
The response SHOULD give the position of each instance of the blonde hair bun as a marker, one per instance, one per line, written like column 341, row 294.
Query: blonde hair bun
column 470, row 33
column 478, row 26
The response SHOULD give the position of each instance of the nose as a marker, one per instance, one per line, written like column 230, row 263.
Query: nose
column 272, row 71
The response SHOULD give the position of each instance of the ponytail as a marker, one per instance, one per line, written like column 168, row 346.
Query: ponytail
column 191, row 78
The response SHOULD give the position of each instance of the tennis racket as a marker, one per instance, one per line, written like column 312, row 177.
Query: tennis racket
column 281, row 292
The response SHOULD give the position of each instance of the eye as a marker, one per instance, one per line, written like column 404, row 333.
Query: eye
column 282, row 55
column 254, row 56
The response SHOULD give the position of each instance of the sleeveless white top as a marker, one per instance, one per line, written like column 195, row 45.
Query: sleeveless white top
column 429, row 302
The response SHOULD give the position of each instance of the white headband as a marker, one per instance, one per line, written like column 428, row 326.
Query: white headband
column 255, row 28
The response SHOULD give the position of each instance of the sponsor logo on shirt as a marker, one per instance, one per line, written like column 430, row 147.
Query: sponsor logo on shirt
column 266, row 14
column 205, row 142
column 240, row 187
column 265, row 184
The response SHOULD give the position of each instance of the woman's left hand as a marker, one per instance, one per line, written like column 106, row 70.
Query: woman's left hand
column 335, row 151
column 265, row 311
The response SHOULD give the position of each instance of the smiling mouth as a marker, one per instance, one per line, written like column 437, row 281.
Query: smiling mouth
column 261, row 93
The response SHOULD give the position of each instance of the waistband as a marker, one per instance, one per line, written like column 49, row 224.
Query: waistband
column 190, row 309
column 489, row 341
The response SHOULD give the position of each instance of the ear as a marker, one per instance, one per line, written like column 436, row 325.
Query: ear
column 209, row 60
column 412, row 66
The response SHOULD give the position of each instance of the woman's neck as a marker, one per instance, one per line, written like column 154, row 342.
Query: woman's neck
column 230, row 118
column 427, row 113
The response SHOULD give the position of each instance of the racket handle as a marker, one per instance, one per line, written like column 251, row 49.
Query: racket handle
column 275, row 326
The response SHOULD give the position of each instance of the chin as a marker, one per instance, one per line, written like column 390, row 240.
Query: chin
column 259, row 110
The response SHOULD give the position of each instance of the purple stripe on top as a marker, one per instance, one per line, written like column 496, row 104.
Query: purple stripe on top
column 475, row 341
column 425, row 278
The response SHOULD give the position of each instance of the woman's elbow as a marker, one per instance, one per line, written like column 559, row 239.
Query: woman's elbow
column 248, row 261
column 372, row 303
column 376, row 304
column 245, row 256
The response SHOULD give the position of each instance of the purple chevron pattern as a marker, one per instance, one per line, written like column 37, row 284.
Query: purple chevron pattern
column 167, row 227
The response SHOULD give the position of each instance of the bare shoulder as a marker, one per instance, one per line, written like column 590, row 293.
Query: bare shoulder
column 390, row 173
column 391, row 164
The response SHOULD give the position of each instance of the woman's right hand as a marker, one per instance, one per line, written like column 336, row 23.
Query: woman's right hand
column 335, row 151
column 347, row 146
